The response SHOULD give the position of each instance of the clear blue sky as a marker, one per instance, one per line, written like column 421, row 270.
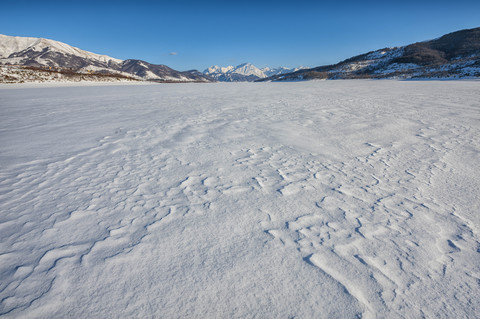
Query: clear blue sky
column 186, row 34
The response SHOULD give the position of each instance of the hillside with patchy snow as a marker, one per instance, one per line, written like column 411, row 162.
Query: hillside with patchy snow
column 454, row 55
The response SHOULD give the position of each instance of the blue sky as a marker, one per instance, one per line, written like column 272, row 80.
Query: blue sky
column 185, row 34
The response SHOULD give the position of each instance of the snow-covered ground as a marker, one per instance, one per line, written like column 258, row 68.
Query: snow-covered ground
column 322, row 199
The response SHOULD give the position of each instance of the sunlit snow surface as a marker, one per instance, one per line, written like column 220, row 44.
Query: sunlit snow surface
column 334, row 199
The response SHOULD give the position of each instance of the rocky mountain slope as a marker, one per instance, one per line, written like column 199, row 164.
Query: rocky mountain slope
column 454, row 55
column 22, row 58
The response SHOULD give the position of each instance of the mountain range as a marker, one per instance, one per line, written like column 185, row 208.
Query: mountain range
column 245, row 72
column 454, row 55
column 38, row 59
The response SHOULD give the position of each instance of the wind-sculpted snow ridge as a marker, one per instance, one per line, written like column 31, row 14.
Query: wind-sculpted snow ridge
column 309, row 200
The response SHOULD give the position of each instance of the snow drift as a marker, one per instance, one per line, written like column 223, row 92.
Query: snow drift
column 309, row 200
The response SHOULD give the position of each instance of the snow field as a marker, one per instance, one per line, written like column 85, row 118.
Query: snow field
column 250, row 200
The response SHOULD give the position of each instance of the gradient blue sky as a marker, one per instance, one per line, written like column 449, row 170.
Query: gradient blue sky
column 265, row 33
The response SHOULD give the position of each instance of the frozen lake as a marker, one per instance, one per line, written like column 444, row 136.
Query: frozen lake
column 333, row 199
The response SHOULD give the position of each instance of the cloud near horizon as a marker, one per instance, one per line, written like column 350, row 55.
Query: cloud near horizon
column 173, row 53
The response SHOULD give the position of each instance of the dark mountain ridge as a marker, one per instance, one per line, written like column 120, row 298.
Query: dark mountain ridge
column 454, row 55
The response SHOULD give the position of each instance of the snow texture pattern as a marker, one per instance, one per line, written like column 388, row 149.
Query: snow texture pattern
column 341, row 199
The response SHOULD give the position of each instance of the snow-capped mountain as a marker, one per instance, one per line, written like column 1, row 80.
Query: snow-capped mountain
column 240, row 73
column 23, row 55
column 41, row 50
column 244, row 72
column 249, row 69
column 217, row 69
column 280, row 70
column 454, row 55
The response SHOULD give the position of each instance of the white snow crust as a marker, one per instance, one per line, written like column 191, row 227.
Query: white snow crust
column 320, row 199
